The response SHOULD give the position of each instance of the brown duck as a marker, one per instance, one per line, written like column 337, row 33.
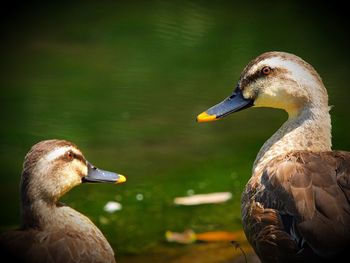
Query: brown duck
column 51, row 231
column 296, row 205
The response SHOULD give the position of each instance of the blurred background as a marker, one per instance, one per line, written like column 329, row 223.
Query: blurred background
column 125, row 81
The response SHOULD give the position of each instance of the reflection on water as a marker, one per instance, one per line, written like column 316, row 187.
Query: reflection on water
column 187, row 24
column 125, row 82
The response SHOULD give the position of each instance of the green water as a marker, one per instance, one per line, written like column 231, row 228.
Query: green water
column 125, row 83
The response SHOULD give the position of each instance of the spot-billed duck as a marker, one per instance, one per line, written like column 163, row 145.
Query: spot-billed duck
column 295, row 207
column 51, row 231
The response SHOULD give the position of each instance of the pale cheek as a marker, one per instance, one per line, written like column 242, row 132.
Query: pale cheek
column 69, row 179
column 85, row 170
column 79, row 168
column 272, row 101
column 280, row 99
column 249, row 93
column 263, row 97
column 73, row 174
column 263, row 101
column 270, row 97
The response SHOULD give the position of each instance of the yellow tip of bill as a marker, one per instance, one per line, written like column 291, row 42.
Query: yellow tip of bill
column 204, row 117
column 121, row 179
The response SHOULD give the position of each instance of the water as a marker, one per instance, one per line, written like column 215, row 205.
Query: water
column 125, row 83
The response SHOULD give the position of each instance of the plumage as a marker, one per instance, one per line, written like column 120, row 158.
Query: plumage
column 300, row 198
column 50, row 230
column 296, row 205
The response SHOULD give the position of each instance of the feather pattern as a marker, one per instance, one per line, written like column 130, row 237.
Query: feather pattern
column 295, row 207
column 52, row 231
column 308, row 188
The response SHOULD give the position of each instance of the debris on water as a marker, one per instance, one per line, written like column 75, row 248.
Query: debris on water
column 211, row 198
column 189, row 236
column 237, row 245
column 139, row 197
column 112, row 206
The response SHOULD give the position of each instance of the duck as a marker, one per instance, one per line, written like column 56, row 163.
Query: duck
column 51, row 231
column 296, row 205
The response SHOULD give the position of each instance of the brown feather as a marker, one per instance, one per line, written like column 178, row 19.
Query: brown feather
column 50, row 231
column 314, row 188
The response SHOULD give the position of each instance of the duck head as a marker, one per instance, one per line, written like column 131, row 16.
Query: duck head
column 273, row 79
column 53, row 167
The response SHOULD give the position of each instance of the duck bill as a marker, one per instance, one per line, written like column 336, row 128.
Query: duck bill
column 96, row 175
column 234, row 103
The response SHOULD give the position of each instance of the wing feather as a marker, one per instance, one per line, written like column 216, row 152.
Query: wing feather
column 304, row 203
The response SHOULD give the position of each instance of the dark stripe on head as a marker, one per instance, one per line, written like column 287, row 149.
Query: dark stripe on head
column 41, row 149
column 70, row 156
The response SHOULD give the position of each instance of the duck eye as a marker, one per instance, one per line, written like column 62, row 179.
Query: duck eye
column 70, row 155
column 266, row 70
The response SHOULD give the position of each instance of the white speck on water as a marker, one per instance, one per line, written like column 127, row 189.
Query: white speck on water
column 112, row 206
column 139, row 197
column 210, row 198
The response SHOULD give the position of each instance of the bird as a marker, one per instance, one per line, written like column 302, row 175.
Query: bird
column 296, row 205
column 51, row 231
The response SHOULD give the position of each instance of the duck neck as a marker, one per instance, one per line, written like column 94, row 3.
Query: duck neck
column 36, row 210
column 38, row 214
column 309, row 130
